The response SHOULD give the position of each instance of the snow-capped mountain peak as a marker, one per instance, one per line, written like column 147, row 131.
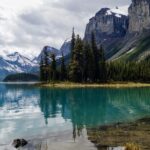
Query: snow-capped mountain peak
column 118, row 12
column 20, row 59
column 16, row 63
column 14, row 57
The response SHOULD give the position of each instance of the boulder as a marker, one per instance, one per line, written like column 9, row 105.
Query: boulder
column 19, row 143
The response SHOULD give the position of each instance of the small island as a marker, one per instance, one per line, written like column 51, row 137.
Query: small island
column 66, row 85
column 87, row 66
column 21, row 77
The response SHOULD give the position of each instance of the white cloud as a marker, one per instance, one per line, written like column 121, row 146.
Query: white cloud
column 27, row 26
column 20, row 5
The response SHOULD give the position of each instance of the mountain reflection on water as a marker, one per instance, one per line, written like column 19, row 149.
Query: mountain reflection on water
column 29, row 111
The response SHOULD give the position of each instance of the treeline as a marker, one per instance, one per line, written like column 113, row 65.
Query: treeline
column 88, row 65
column 129, row 71
column 21, row 77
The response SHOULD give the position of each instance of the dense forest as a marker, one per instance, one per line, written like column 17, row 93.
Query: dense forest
column 21, row 77
column 88, row 65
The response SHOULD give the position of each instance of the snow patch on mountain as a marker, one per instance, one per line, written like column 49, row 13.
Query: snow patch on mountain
column 118, row 11
column 16, row 63
column 22, row 60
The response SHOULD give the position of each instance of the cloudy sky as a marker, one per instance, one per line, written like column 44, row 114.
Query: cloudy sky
column 28, row 25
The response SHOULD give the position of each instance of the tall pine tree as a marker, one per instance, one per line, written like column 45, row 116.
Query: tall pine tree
column 63, row 71
column 46, row 65
column 102, row 63
column 96, row 58
column 53, row 68
column 87, row 63
column 42, row 78
column 72, row 43
column 76, row 65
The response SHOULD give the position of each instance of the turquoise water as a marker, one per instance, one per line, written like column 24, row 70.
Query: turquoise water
column 26, row 111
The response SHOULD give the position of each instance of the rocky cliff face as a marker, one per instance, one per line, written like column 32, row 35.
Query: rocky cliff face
column 107, row 24
column 121, row 34
column 136, row 44
column 139, row 16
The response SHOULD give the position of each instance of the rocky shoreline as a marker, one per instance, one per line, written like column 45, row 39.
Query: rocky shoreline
column 135, row 135
column 63, row 141
column 119, row 136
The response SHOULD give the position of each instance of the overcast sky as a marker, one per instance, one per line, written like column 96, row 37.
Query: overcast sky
column 28, row 25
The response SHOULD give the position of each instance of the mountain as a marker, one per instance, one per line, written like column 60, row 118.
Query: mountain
column 124, row 37
column 107, row 23
column 139, row 16
column 109, row 27
column 136, row 44
column 16, row 63
column 50, row 50
column 66, row 47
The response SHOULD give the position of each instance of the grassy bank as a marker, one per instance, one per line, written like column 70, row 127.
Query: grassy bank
column 93, row 85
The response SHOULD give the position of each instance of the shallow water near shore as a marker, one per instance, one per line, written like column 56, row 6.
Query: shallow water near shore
column 42, row 113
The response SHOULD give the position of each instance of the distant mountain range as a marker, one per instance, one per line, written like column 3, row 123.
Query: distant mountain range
column 123, row 36
column 17, row 63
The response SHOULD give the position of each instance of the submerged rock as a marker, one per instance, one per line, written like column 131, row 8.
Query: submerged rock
column 131, row 136
column 19, row 143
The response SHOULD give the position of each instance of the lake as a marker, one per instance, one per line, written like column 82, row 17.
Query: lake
column 31, row 112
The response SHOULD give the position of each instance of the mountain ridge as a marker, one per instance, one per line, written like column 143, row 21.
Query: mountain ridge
column 16, row 63
column 125, row 34
column 109, row 27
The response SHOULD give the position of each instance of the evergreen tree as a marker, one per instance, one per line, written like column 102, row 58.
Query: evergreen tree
column 87, row 63
column 42, row 70
column 74, row 72
column 96, row 58
column 72, row 43
column 63, row 71
column 102, row 63
column 76, row 65
column 46, row 56
column 129, row 71
column 53, row 68
column 46, row 65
